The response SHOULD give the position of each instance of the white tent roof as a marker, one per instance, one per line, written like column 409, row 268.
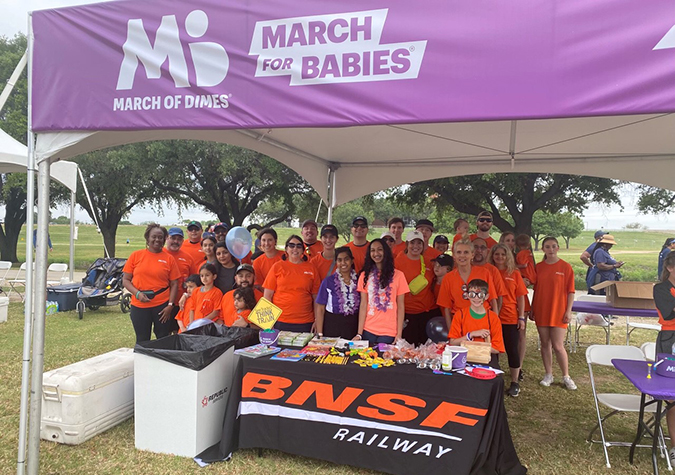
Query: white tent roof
column 14, row 158
column 372, row 158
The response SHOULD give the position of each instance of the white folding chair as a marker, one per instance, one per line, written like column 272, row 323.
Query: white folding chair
column 581, row 319
column 55, row 273
column 649, row 350
column 18, row 281
column 603, row 355
column 5, row 267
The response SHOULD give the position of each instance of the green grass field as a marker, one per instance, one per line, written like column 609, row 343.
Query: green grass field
column 549, row 425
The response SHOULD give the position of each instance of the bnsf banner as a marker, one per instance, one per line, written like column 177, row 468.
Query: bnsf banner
column 396, row 420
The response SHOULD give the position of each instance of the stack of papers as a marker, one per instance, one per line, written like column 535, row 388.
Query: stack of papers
column 256, row 351
column 294, row 339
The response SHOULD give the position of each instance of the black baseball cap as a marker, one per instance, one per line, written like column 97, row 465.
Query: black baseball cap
column 359, row 218
column 444, row 260
column 424, row 222
column 247, row 267
column 329, row 229
column 193, row 224
column 441, row 238
column 219, row 225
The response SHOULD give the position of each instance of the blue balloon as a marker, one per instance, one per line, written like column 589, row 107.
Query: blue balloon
column 199, row 323
column 437, row 329
column 238, row 242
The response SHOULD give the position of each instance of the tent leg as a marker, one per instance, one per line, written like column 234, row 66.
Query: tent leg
column 331, row 193
column 28, row 308
column 40, row 297
column 71, row 265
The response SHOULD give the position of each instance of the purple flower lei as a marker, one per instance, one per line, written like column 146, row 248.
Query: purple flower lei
column 377, row 293
column 347, row 293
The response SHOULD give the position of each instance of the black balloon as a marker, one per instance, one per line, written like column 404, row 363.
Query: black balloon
column 437, row 330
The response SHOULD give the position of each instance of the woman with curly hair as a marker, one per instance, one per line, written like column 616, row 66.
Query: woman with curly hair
column 383, row 290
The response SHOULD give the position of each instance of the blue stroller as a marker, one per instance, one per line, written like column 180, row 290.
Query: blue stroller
column 102, row 286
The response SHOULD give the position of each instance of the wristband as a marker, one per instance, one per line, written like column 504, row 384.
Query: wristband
column 137, row 294
column 521, row 318
column 468, row 336
column 359, row 335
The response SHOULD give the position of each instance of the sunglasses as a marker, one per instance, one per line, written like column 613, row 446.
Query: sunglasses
column 293, row 245
column 363, row 226
column 476, row 295
column 484, row 220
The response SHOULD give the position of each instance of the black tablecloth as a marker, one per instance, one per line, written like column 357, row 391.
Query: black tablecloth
column 398, row 420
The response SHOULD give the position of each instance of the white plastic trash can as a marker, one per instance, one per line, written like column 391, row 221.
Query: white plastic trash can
column 178, row 410
column 4, row 306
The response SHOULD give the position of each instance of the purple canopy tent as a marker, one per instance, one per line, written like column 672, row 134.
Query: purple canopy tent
column 360, row 96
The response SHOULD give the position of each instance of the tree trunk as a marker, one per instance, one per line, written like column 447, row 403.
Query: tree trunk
column 109, row 232
column 15, row 217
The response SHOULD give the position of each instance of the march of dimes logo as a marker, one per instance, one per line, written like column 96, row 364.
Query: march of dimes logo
column 336, row 48
column 210, row 63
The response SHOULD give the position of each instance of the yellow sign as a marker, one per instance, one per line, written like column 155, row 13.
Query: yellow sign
column 265, row 314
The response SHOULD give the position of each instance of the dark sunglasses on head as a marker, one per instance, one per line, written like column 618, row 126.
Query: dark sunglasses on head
column 293, row 245
column 484, row 220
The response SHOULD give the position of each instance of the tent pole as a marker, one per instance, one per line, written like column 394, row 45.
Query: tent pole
column 71, row 265
column 40, row 293
column 28, row 304
column 331, row 193
column 13, row 79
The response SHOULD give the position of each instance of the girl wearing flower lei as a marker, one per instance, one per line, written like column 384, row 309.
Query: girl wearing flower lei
column 383, row 290
column 337, row 311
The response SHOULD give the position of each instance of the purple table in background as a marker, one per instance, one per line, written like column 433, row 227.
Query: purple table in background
column 604, row 309
column 658, row 387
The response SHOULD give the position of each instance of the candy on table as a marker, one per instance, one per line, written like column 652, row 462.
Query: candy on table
column 330, row 359
column 374, row 362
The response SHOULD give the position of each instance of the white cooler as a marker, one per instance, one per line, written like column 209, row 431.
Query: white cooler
column 4, row 306
column 178, row 410
column 84, row 399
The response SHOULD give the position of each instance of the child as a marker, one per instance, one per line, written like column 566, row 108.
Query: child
column 476, row 323
column 244, row 302
column 183, row 315
column 442, row 265
column 525, row 259
column 461, row 228
column 207, row 299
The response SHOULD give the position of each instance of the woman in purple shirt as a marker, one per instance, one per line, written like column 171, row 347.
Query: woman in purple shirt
column 337, row 311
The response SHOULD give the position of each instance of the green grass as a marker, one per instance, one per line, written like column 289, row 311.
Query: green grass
column 549, row 425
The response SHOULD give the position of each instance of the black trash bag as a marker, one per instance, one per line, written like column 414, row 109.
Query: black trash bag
column 242, row 336
column 194, row 352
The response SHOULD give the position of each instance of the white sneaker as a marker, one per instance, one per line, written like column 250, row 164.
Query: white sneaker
column 547, row 381
column 569, row 384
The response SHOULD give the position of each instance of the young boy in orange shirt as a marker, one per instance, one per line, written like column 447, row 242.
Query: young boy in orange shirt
column 183, row 315
column 476, row 323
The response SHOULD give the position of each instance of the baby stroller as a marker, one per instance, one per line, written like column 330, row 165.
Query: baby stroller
column 102, row 286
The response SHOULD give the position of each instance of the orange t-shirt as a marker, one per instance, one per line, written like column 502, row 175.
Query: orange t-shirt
column 294, row 286
column 398, row 248
column 194, row 249
column 456, row 238
column 424, row 301
column 463, row 322
column 263, row 264
column 324, row 267
column 554, row 283
column 247, row 258
column 430, row 254
column 359, row 253
column 151, row 271
column 184, row 315
column 197, row 265
column 185, row 263
column 228, row 314
column 526, row 258
column 515, row 287
column 206, row 302
column 488, row 240
column 452, row 293
column 314, row 249
column 382, row 321
column 499, row 289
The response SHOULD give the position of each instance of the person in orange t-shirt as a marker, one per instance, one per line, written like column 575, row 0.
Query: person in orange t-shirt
column 151, row 276
column 478, row 323
column 512, row 311
column 396, row 227
column 443, row 264
column 193, row 244
column 310, row 231
column 421, row 307
column 236, row 314
column 484, row 224
column 206, row 300
column 324, row 262
column 359, row 244
column 292, row 285
column 184, row 260
column 480, row 259
column 552, row 309
column 461, row 230
column 271, row 255
column 183, row 316
column 245, row 277
column 453, row 294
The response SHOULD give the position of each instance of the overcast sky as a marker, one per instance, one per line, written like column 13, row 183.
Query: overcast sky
column 13, row 19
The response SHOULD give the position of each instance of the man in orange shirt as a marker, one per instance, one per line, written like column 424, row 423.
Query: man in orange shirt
column 484, row 224
column 396, row 227
column 245, row 277
column 480, row 253
column 426, row 227
column 193, row 245
column 359, row 243
column 324, row 262
column 182, row 258
column 309, row 233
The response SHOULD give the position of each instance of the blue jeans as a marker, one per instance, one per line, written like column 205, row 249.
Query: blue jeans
column 375, row 339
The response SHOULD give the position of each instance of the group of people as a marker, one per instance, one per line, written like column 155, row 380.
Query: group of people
column 380, row 290
column 602, row 266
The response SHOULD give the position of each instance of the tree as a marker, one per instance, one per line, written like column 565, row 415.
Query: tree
column 570, row 226
column 655, row 200
column 513, row 198
column 117, row 179
column 344, row 214
column 223, row 179
column 543, row 224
